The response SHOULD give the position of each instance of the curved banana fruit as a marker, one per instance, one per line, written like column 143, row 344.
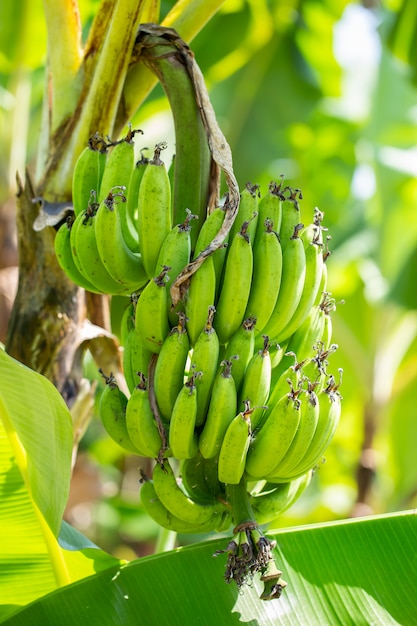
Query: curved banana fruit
column 309, row 417
column 163, row 517
column 130, row 233
column 311, row 236
column 151, row 318
column 136, row 358
column 86, row 255
column 178, row 503
column 221, row 412
column 241, row 345
column 123, row 265
column 274, row 499
column 234, row 448
column 237, row 278
column 291, row 288
column 112, row 411
column 270, row 207
column 154, row 212
column 183, row 440
column 248, row 212
column 200, row 480
column 267, row 271
column 140, row 422
column 204, row 359
column 257, row 383
column 200, row 296
column 291, row 215
column 63, row 252
column 208, row 231
column 170, row 368
column 88, row 172
column 175, row 253
column 273, row 439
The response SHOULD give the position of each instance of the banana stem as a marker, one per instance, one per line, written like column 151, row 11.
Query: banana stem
column 238, row 498
column 192, row 155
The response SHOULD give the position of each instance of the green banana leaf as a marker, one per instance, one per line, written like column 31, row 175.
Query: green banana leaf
column 357, row 572
column 36, row 441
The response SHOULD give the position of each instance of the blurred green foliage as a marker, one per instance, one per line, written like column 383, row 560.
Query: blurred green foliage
column 315, row 91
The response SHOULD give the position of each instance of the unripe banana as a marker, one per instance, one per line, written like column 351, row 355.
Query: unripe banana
column 112, row 411
column 151, row 319
column 127, row 321
column 291, row 288
column 275, row 499
column 63, row 252
column 257, row 383
column 140, row 421
column 272, row 441
column 313, row 277
column 221, row 412
column 234, row 294
column 182, row 436
column 154, row 214
column 329, row 417
column 248, row 212
column 170, row 366
column 193, row 479
column 234, row 449
column 209, row 230
column 88, row 172
column 86, row 255
column 270, row 207
column 163, row 517
column 266, row 279
column 200, row 296
column 291, row 216
column 131, row 234
column 178, row 503
column 242, row 345
column 175, row 253
column 309, row 417
column 204, row 359
column 123, row 265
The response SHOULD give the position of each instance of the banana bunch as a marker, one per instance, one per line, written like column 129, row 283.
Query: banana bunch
column 230, row 391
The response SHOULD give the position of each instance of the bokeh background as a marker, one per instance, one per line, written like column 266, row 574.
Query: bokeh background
column 323, row 92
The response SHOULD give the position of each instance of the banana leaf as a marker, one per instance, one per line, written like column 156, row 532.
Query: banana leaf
column 358, row 572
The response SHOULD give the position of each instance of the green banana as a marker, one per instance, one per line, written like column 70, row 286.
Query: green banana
column 199, row 297
column 131, row 233
column 208, row 231
column 123, row 265
column 242, row 345
column 274, row 499
column 266, row 280
column 112, row 411
column 151, row 318
column 140, row 421
column 175, row 252
column 183, row 440
column 257, row 383
column 309, row 417
column 63, row 252
column 313, row 278
column 127, row 322
column 329, row 417
column 248, row 212
column 169, row 369
column 86, row 255
column 291, row 288
column 234, row 448
column 204, row 359
column 291, row 215
column 221, row 411
column 270, row 207
column 136, row 358
column 178, row 503
column 200, row 479
column 163, row 517
column 88, row 172
column 237, row 278
column 154, row 211
column 274, row 437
